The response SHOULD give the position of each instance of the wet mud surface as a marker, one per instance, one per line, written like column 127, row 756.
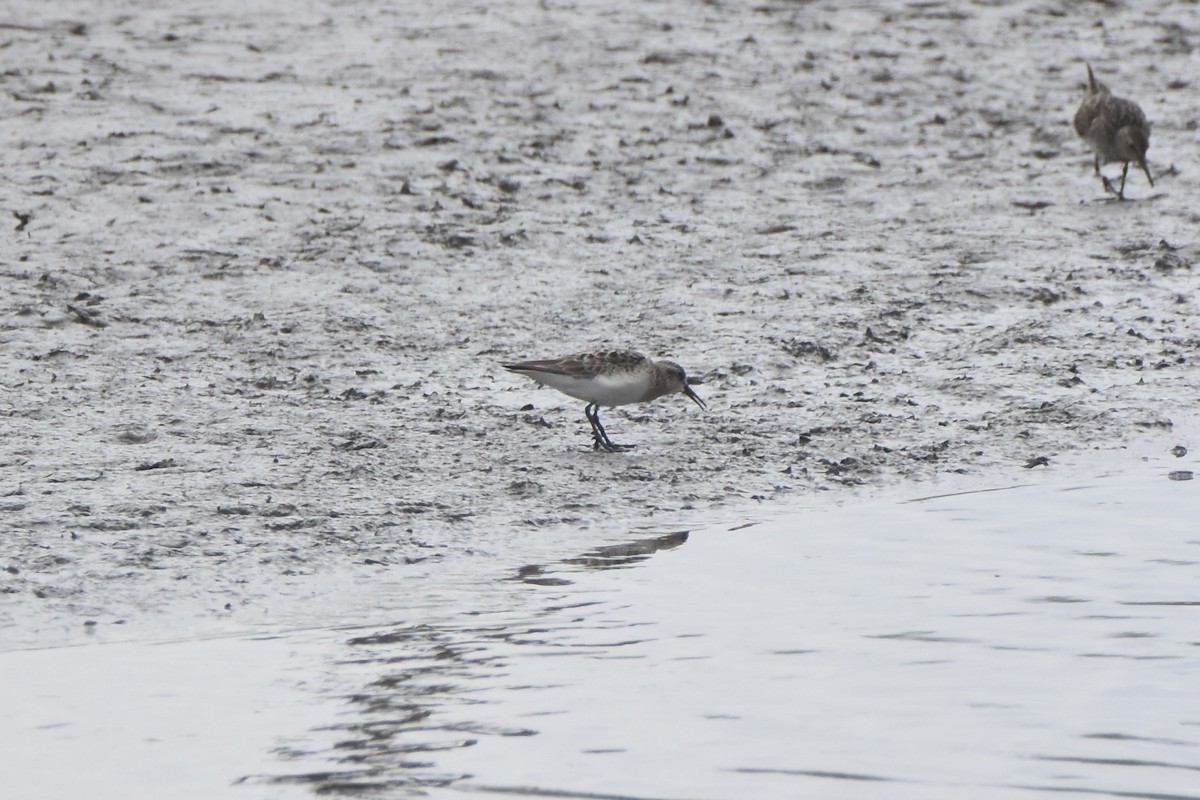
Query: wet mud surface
column 263, row 265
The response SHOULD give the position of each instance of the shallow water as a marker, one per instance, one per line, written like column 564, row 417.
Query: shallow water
column 1019, row 642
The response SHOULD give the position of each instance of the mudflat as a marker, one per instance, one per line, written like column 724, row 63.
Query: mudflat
column 264, row 263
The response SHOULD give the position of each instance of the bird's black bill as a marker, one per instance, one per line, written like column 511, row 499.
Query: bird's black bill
column 688, row 391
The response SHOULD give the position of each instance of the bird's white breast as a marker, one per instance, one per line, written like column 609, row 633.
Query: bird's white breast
column 615, row 389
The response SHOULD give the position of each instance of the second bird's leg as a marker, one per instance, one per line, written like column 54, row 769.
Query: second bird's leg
column 1107, row 184
column 1124, row 173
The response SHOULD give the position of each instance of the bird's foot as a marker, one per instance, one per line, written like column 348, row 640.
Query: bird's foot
column 1119, row 194
column 610, row 446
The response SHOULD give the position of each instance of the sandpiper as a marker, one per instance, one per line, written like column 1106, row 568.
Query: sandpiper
column 609, row 378
column 1115, row 128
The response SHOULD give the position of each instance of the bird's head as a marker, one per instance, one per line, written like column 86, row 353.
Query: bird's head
column 679, row 383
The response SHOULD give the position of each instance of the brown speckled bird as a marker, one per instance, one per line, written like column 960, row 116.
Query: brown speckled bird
column 609, row 378
column 1115, row 128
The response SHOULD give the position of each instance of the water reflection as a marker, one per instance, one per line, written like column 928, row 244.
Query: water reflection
column 432, row 674
column 1003, row 644
column 614, row 556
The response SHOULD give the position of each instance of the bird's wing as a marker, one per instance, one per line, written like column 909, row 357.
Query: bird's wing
column 553, row 366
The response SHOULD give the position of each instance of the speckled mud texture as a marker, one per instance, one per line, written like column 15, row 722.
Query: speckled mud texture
column 262, row 263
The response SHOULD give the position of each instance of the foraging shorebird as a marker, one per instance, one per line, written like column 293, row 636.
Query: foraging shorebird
column 610, row 378
column 1115, row 128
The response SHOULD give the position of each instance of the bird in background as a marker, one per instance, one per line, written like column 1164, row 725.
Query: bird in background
column 1115, row 128
column 609, row 378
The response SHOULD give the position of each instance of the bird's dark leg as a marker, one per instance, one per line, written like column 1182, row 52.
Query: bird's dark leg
column 600, row 438
column 1124, row 172
column 597, row 442
column 1096, row 165
column 1104, row 181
